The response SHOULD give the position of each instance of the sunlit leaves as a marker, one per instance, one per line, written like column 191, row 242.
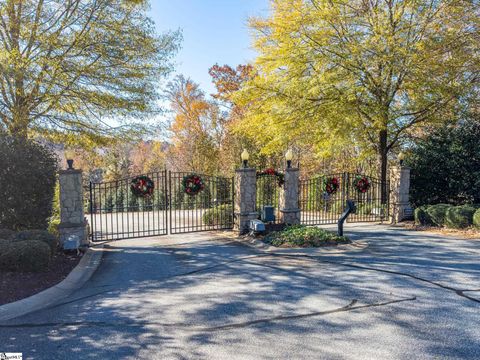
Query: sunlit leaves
column 83, row 67
column 337, row 73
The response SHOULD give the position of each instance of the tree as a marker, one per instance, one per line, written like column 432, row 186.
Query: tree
column 196, row 128
column 66, row 66
column 147, row 157
column 116, row 161
column 228, row 81
column 446, row 165
column 157, row 160
column 358, row 74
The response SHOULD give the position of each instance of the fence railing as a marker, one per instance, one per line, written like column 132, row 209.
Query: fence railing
column 319, row 206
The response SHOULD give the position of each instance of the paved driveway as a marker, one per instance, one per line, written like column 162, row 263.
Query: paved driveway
column 407, row 296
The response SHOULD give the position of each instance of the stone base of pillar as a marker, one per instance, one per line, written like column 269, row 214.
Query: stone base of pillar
column 401, row 211
column 290, row 216
column 242, row 221
column 73, row 236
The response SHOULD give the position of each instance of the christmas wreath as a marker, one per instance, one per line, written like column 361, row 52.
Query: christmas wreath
column 331, row 185
column 272, row 172
column 142, row 186
column 192, row 184
column 361, row 183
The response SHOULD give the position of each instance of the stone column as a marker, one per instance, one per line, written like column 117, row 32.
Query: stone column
column 399, row 193
column 73, row 225
column 245, row 198
column 289, row 209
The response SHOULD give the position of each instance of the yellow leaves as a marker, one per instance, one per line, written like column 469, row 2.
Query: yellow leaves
column 69, row 71
column 330, row 72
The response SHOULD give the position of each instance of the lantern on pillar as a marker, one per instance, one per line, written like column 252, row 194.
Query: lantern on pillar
column 245, row 156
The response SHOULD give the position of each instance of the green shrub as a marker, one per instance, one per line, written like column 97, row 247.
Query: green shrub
column 304, row 236
column 27, row 180
column 109, row 205
column 37, row 235
column 476, row 218
column 133, row 203
column 364, row 209
column 54, row 220
column 220, row 215
column 421, row 216
column 25, row 256
column 119, row 201
column 437, row 213
column 459, row 217
column 446, row 165
column 53, row 227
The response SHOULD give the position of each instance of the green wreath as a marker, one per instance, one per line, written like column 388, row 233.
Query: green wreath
column 142, row 186
column 272, row 172
column 192, row 184
column 331, row 185
column 362, row 184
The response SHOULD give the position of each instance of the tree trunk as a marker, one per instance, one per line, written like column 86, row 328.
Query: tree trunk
column 20, row 122
column 382, row 162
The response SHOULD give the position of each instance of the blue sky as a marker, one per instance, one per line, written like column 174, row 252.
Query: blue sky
column 214, row 31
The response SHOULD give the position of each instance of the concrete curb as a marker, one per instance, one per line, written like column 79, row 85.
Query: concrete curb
column 75, row 280
column 356, row 245
column 327, row 250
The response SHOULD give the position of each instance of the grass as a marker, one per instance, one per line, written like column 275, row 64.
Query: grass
column 304, row 236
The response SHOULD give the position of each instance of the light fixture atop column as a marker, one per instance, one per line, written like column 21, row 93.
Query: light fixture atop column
column 245, row 156
column 69, row 154
column 401, row 157
column 289, row 157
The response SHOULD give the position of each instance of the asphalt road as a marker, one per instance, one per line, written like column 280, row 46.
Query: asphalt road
column 409, row 295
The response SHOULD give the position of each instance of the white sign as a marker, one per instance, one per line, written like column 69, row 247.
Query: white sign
column 10, row 356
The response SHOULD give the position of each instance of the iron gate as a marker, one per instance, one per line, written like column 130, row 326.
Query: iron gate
column 268, row 194
column 116, row 213
column 321, row 207
column 211, row 209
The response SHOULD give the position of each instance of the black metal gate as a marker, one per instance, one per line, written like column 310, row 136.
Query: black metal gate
column 268, row 194
column 116, row 213
column 210, row 209
column 319, row 206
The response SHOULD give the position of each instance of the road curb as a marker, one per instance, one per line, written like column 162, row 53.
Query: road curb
column 75, row 280
column 357, row 245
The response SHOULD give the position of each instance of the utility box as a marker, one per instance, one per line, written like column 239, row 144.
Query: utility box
column 257, row 226
column 268, row 214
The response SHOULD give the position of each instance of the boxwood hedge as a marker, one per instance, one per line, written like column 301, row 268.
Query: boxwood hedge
column 459, row 217
column 437, row 213
column 27, row 180
column 455, row 217
column 476, row 219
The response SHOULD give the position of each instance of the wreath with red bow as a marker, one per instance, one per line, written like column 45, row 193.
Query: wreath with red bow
column 192, row 184
column 331, row 185
column 362, row 184
column 142, row 186
column 272, row 172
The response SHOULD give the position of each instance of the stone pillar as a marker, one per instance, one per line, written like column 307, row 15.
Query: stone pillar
column 245, row 198
column 73, row 225
column 289, row 209
column 399, row 193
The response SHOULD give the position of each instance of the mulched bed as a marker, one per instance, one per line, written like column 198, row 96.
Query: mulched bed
column 470, row 233
column 16, row 285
